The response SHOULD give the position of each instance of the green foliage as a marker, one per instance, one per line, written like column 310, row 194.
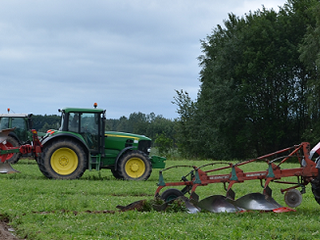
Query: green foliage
column 175, row 206
column 164, row 145
column 256, row 96
column 310, row 56
column 186, row 127
column 43, row 123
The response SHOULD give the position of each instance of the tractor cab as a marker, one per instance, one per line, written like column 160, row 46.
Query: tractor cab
column 88, row 123
column 22, row 124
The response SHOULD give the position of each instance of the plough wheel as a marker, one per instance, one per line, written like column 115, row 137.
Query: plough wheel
column 293, row 198
column 171, row 194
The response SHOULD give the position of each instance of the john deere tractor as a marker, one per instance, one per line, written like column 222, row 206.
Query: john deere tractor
column 81, row 143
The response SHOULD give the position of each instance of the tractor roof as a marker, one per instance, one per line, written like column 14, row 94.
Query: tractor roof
column 82, row 110
column 16, row 115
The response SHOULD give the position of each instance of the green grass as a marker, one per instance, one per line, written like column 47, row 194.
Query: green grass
column 39, row 208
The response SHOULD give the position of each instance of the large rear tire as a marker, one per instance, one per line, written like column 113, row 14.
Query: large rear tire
column 63, row 160
column 115, row 173
column 134, row 165
column 13, row 157
column 316, row 192
column 315, row 186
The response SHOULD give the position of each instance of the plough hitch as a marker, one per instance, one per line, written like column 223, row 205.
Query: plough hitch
column 307, row 171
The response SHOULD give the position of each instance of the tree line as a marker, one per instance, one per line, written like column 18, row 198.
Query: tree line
column 260, row 85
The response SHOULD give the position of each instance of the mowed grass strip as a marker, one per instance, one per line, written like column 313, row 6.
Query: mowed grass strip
column 39, row 208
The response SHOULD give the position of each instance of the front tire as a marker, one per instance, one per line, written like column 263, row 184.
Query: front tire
column 115, row 173
column 134, row 165
column 63, row 160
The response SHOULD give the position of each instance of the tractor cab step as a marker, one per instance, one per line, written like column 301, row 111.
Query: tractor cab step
column 94, row 162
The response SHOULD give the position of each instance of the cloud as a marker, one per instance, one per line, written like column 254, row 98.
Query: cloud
column 129, row 56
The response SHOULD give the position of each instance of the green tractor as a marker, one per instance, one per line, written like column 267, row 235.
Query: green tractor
column 81, row 143
column 22, row 125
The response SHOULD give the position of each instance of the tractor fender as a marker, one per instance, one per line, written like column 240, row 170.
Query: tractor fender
column 120, row 154
column 65, row 136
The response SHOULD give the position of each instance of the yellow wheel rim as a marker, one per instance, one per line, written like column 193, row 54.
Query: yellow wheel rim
column 64, row 161
column 135, row 167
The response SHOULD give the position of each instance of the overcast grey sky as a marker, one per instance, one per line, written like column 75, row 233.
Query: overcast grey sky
column 126, row 55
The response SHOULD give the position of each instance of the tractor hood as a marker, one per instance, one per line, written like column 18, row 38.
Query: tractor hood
column 126, row 135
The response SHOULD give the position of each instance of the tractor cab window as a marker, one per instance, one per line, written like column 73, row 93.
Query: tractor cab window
column 21, row 128
column 87, row 124
column 4, row 123
column 73, row 124
column 89, row 129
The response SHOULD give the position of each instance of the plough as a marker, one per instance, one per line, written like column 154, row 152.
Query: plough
column 6, row 150
column 307, row 172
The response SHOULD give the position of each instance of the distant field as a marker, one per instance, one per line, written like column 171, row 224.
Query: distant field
column 40, row 209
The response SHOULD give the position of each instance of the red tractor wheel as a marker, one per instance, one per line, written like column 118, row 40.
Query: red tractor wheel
column 12, row 157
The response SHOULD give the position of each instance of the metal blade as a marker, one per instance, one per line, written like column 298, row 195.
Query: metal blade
column 189, row 205
column 257, row 201
column 4, row 134
column 217, row 204
column 5, row 168
column 191, row 208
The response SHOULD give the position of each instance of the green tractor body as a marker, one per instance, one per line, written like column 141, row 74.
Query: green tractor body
column 82, row 143
column 22, row 124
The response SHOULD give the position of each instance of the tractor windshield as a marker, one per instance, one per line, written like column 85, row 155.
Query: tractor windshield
column 21, row 128
column 20, row 125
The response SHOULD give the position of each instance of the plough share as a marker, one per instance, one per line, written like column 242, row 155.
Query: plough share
column 307, row 172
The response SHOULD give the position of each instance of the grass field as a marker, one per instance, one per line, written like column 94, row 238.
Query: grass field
column 39, row 208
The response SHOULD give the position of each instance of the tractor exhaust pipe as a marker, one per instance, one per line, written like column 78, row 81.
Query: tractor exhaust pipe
column 5, row 167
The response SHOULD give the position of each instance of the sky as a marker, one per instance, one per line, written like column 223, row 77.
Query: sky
column 126, row 55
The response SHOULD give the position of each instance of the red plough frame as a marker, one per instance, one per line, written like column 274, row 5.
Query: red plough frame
column 306, row 173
